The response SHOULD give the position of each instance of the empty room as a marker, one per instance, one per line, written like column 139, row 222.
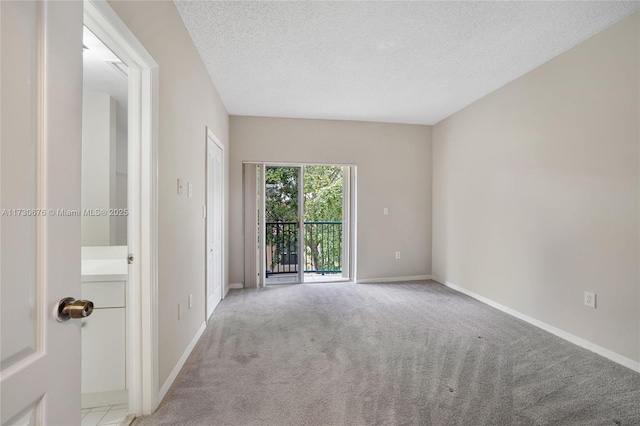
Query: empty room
column 320, row 213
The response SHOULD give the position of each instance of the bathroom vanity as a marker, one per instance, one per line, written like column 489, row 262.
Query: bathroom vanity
column 104, row 282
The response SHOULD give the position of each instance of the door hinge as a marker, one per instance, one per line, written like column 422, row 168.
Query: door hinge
column 130, row 259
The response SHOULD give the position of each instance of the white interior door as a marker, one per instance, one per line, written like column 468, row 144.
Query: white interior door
column 41, row 104
column 214, row 222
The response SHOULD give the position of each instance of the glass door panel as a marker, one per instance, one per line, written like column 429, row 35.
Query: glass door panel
column 323, row 223
column 282, row 224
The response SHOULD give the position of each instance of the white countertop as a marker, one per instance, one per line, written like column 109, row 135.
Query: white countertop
column 104, row 270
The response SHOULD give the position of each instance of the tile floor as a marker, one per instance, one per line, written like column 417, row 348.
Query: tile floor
column 108, row 415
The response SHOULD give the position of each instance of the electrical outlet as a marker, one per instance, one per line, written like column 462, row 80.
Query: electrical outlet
column 590, row 299
column 385, row 211
column 189, row 189
column 397, row 255
column 190, row 300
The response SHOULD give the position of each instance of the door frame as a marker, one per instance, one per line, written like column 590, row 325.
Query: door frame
column 216, row 141
column 142, row 200
column 301, row 248
column 349, row 218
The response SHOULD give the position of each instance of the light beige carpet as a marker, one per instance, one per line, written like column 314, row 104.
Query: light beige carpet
column 388, row 354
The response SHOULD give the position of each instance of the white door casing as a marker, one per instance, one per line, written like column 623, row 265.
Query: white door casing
column 300, row 249
column 346, row 222
column 142, row 201
column 260, row 239
column 215, row 209
column 41, row 104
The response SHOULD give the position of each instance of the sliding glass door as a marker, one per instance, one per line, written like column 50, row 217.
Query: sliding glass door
column 305, row 225
column 283, row 193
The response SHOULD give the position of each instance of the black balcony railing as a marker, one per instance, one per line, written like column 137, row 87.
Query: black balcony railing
column 282, row 247
column 322, row 247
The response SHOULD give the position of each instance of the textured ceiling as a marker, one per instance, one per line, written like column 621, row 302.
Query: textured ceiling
column 404, row 62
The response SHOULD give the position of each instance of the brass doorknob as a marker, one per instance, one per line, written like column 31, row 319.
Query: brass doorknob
column 71, row 308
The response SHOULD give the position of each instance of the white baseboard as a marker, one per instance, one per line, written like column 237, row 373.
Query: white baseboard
column 174, row 373
column 393, row 279
column 607, row 353
column 236, row 286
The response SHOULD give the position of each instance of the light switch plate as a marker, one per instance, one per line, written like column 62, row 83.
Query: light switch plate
column 189, row 189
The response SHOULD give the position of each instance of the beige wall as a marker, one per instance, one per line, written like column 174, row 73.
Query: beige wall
column 394, row 170
column 98, row 167
column 188, row 103
column 535, row 192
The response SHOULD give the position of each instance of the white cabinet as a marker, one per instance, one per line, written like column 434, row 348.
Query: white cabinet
column 104, row 331
column 104, row 294
column 103, row 351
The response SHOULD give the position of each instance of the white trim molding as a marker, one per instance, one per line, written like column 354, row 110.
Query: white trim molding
column 176, row 369
column 142, row 313
column 607, row 353
column 394, row 279
column 236, row 286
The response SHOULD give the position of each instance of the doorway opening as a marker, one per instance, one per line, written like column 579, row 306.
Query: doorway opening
column 105, row 272
column 119, row 270
column 306, row 224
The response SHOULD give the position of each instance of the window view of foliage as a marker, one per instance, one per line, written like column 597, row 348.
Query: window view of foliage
column 323, row 193
column 322, row 209
column 281, row 201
